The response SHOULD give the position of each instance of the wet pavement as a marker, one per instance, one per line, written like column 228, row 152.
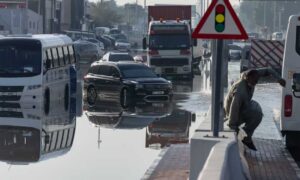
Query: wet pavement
column 107, row 141
column 104, row 142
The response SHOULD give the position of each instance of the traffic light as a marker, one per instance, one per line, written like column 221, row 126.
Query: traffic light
column 220, row 18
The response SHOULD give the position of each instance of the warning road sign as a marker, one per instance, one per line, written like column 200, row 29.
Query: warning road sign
column 220, row 22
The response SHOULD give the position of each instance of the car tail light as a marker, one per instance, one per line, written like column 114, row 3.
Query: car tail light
column 153, row 52
column 185, row 52
column 288, row 105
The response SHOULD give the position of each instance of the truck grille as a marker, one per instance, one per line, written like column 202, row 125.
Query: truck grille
column 10, row 98
column 169, row 62
column 9, row 105
column 11, row 88
column 11, row 114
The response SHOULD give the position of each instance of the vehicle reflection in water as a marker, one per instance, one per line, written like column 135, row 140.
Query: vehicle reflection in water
column 172, row 129
column 163, row 125
column 112, row 115
column 29, row 135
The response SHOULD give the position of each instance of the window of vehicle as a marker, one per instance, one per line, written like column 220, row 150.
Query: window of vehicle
column 120, row 57
column 71, row 53
column 20, row 58
column 61, row 56
column 104, row 70
column 169, row 41
column 298, row 40
column 66, row 54
column 22, row 144
column 55, row 61
column 114, row 72
column 135, row 71
column 49, row 56
column 94, row 70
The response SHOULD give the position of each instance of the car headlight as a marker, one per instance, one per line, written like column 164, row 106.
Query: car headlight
column 32, row 87
column 170, row 85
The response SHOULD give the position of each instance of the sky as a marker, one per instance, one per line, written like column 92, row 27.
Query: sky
column 151, row 2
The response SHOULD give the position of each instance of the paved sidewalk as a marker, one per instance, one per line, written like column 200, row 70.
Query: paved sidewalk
column 271, row 162
column 174, row 165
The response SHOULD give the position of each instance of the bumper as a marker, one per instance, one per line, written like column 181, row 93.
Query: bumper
column 153, row 95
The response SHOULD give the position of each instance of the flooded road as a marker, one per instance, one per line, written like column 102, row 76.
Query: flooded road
column 104, row 142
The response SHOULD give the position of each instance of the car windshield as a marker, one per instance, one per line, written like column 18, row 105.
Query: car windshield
column 120, row 57
column 169, row 41
column 134, row 71
column 20, row 58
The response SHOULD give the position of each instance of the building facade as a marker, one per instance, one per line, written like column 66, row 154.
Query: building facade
column 16, row 18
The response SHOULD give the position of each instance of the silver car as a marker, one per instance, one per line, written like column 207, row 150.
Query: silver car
column 86, row 53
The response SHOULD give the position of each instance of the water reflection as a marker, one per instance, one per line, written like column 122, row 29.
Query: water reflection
column 112, row 115
column 172, row 129
column 30, row 135
column 163, row 124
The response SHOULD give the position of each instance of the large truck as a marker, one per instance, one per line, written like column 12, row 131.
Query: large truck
column 169, row 42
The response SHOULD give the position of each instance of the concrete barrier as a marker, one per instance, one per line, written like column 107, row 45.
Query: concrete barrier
column 217, row 158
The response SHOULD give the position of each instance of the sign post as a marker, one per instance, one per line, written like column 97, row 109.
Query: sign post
column 219, row 22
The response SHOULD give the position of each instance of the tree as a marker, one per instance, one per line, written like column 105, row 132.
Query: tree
column 105, row 13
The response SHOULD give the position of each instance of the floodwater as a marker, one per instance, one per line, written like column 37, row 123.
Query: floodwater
column 107, row 141
column 103, row 142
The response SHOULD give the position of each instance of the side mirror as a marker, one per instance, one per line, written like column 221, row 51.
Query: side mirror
column 195, row 42
column 144, row 43
column 296, row 82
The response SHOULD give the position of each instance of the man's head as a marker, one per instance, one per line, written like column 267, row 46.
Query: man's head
column 252, row 77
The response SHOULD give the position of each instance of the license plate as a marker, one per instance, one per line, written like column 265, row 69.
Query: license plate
column 158, row 105
column 158, row 92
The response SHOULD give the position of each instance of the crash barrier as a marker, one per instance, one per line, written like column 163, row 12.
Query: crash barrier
column 266, row 53
column 217, row 158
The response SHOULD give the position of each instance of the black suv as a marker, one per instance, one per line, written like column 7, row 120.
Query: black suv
column 124, row 82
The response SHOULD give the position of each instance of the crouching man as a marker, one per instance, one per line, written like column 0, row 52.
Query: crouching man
column 239, row 106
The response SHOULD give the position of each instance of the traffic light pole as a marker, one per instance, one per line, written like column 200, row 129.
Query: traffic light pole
column 217, row 88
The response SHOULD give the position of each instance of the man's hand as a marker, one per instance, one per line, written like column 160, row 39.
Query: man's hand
column 282, row 82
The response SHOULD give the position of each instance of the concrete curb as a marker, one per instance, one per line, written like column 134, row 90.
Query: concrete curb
column 217, row 157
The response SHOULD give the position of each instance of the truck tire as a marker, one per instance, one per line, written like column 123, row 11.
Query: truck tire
column 292, row 139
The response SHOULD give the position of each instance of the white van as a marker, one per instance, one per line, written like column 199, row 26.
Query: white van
column 290, row 113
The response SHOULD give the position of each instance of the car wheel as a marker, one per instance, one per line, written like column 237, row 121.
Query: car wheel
column 126, row 98
column 91, row 95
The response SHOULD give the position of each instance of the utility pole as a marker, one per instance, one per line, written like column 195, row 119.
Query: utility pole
column 274, row 16
column 136, row 15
